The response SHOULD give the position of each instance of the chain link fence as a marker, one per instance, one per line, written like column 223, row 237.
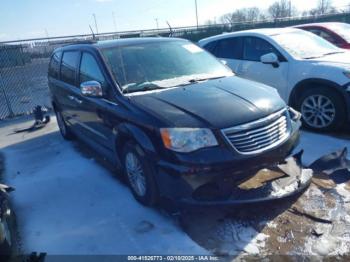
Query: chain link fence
column 24, row 64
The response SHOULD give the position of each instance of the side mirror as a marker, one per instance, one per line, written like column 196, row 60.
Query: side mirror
column 91, row 89
column 270, row 58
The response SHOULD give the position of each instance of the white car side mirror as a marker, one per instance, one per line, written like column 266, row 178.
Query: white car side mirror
column 270, row 58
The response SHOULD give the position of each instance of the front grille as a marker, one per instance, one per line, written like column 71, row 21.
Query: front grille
column 260, row 135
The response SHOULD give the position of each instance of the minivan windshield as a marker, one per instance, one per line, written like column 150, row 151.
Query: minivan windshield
column 163, row 64
column 305, row 45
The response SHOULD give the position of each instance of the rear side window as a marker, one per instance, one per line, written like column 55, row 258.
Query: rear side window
column 313, row 30
column 255, row 47
column 90, row 70
column 327, row 36
column 210, row 46
column 230, row 48
column 69, row 66
column 54, row 67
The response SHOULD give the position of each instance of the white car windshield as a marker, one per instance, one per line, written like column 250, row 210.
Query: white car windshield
column 305, row 45
column 341, row 29
column 163, row 64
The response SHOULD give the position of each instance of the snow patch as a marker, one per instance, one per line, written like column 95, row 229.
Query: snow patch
column 238, row 236
column 341, row 190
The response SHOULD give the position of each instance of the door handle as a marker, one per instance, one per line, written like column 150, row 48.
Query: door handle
column 73, row 98
column 78, row 101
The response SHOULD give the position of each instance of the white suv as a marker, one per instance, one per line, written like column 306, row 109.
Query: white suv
column 309, row 73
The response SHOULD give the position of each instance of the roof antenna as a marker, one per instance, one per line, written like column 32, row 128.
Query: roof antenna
column 171, row 30
column 93, row 34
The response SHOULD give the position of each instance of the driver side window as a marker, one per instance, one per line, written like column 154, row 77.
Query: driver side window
column 90, row 70
column 255, row 47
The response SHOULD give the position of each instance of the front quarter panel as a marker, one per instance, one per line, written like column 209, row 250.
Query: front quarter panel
column 302, row 71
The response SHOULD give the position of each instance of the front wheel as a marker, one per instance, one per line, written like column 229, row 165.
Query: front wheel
column 139, row 174
column 322, row 109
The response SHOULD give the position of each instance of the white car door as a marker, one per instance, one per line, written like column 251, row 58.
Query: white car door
column 251, row 67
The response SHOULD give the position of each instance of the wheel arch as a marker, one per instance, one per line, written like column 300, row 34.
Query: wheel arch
column 301, row 86
column 126, row 132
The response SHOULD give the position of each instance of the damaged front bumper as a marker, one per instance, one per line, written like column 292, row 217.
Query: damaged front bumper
column 276, row 181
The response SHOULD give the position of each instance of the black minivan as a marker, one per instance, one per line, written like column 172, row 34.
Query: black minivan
column 174, row 119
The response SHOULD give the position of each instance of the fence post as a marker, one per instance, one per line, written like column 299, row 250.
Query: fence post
column 2, row 86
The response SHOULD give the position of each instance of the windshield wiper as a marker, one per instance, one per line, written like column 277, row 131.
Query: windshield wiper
column 335, row 52
column 197, row 80
column 138, row 87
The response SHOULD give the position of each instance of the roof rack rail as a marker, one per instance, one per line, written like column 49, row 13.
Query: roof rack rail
column 81, row 42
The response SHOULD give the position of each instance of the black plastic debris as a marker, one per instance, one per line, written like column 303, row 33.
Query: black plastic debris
column 298, row 212
column 40, row 120
column 332, row 162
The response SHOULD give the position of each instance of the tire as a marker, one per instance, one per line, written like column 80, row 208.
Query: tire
column 139, row 175
column 322, row 109
column 64, row 129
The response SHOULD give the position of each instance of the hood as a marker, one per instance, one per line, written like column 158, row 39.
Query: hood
column 219, row 103
column 338, row 60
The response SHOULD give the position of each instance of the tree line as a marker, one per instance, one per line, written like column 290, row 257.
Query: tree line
column 277, row 10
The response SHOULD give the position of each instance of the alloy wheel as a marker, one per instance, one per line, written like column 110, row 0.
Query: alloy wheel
column 318, row 111
column 135, row 174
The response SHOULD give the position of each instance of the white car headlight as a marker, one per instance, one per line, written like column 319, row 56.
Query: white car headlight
column 187, row 139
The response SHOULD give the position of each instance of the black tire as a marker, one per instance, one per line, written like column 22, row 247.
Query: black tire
column 64, row 129
column 338, row 118
column 151, row 195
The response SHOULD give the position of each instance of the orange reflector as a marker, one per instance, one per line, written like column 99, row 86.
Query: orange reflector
column 166, row 138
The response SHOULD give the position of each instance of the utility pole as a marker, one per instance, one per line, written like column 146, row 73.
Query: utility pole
column 114, row 23
column 195, row 3
column 156, row 19
column 46, row 33
column 95, row 22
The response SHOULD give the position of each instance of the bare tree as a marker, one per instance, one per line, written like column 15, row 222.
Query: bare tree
column 244, row 15
column 210, row 22
column 252, row 14
column 281, row 9
column 323, row 7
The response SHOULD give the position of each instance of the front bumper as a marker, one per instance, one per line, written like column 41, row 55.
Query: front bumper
column 218, row 185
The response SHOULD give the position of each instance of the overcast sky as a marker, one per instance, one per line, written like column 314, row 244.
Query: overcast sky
column 21, row 19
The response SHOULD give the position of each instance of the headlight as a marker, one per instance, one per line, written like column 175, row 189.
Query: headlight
column 187, row 139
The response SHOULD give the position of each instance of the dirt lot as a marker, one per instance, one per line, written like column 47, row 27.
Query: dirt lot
column 65, row 195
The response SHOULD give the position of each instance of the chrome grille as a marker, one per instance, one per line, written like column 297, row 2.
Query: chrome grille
column 260, row 135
